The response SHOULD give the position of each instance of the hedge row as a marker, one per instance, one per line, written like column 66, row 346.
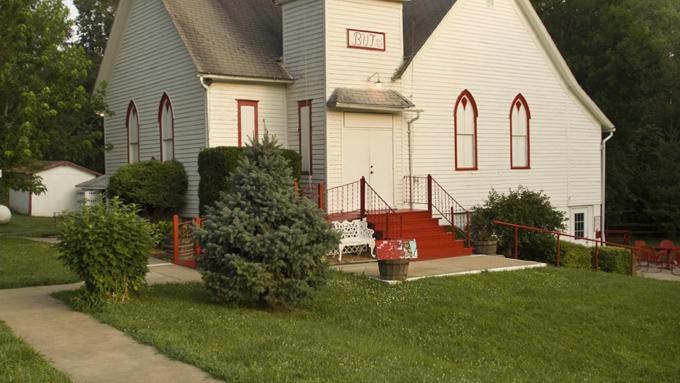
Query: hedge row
column 215, row 165
column 612, row 259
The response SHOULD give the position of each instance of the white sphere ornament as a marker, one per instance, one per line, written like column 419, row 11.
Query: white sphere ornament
column 5, row 215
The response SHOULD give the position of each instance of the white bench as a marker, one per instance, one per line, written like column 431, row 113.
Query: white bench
column 354, row 233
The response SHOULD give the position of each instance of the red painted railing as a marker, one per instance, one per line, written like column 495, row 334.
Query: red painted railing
column 559, row 235
column 185, row 249
column 357, row 200
column 427, row 191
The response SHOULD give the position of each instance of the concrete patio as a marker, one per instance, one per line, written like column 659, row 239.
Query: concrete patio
column 473, row 264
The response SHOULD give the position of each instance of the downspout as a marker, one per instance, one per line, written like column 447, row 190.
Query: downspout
column 206, row 86
column 603, row 182
column 410, row 154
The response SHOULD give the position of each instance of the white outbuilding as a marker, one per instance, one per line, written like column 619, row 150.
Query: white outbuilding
column 60, row 179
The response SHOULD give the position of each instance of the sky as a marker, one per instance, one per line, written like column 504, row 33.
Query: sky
column 69, row 4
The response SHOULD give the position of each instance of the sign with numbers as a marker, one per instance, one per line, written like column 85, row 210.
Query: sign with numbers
column 358, row 39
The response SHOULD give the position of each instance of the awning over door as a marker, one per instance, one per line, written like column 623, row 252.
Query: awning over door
column 369, row 100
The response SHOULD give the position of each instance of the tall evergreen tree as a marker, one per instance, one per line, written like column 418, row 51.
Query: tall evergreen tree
column 263, row 243
column 94, row 21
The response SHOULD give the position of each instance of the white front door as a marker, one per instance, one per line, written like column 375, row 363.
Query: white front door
column 367, row 151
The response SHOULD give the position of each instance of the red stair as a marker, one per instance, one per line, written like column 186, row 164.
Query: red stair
column 433, row 240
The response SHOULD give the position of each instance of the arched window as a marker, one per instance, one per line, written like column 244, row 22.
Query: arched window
column 520, row 143
column 132, row 125
column 465, row 127
column 166, row 121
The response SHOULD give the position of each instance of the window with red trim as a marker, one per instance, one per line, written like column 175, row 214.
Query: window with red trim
column 166, row 122
column 247, row 121
column 465, row 127
column 305, row 134
column 520, row 137
column 132, row 125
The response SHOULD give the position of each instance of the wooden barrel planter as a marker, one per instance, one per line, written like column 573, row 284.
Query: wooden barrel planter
column 393, row 269
column 486, row 247
column 186, row 248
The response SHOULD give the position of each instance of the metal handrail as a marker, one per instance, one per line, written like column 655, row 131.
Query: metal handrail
column 598, row 242
column 440, row 201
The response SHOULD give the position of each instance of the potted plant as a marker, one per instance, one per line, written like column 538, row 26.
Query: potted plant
column 394, row 257
column 484, row 238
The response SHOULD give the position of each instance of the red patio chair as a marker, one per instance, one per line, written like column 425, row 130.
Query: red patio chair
column 643, row 253
column 665, row 252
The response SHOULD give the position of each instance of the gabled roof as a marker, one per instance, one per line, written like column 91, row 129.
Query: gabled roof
column 41, row 166
column 421, row 18
column 230, row 37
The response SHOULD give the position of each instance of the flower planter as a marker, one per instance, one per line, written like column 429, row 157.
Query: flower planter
column 486, row 247
column 393, row 269
column 186, row 248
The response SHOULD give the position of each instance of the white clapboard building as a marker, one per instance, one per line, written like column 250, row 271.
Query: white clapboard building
column 472, row 92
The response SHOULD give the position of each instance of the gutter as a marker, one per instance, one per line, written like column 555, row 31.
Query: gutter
column 206, row 86
column 603, row 213
column 260, row 80
column 410, row 152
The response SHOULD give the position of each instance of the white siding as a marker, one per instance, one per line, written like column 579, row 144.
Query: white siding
column 304, row 57
column 19, row 201
column 490, row 49
column 223, row 116
column 352, row 68
column 62, row 194
column 152, row 61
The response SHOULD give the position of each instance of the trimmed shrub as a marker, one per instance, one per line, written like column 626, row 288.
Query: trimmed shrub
column 216, row 165
column 575, row 256
column 157, row 188
column 614, row 260
column 107, row 245
column 262, row 244
column 525, row 207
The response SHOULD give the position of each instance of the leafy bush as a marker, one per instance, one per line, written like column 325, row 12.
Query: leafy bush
column 159, row 231
column 262, row 243
column 216, row 165
column 575, row 256
column 158, row 188
column 524, row 207
column 614, row 260
column 107, row 245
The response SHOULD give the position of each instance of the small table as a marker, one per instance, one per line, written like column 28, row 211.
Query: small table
column 669, row 251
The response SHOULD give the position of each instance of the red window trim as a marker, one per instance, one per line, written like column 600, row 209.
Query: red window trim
column 253, row 103
column 520, row 99
column 302, row 104
column 464, row 94
column 132, row 106
column 166, row 100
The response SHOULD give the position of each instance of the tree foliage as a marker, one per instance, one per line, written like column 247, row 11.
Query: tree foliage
column 94, row 21
column 626, row 54
column 46, row 110
column 262, row 243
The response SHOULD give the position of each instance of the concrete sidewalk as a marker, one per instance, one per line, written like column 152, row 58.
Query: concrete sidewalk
column 473, row 264
column 87, row 350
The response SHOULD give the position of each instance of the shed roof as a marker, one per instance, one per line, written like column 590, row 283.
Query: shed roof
column 40, row 166
column 370, row 98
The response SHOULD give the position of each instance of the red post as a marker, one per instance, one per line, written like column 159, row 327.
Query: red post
column 632, row 262
column 469, row 229
column 516, row 243
column 322, row 190
column 557, row 257
column 362, row 197
column 197, row 246
column 429, row 193
column 175, row 239
column 296, row 187
column 597, row 256
column 453, row 223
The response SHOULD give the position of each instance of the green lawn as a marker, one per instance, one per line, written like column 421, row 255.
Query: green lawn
column 19, row 363
column 26, row 263
column 24, row 226
column 551, row 325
